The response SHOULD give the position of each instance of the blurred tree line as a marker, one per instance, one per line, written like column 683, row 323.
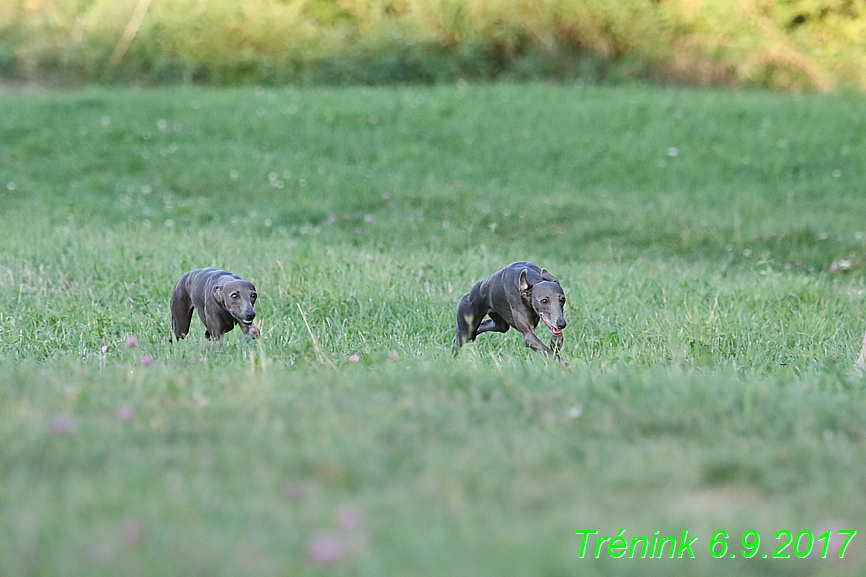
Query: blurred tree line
column 785, row 44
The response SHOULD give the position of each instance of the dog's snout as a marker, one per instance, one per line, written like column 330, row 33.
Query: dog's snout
column 250, row 315
column 561, row 324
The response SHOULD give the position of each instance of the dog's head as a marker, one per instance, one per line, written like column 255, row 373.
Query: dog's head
column 238, row 298
column 546, row 299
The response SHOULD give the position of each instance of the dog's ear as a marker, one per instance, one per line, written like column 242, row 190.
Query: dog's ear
column 545, row 275
column 522, row 283
column 218, row 294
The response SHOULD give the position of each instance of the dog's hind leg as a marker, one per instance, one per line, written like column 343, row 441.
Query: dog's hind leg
column 181, row 313
column 495, row 323
column 180, row 323
column 468, row 321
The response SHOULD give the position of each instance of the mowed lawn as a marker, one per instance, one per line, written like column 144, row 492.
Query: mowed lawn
column 711, row 244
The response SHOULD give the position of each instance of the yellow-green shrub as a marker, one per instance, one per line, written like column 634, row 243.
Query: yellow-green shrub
column 789, row 44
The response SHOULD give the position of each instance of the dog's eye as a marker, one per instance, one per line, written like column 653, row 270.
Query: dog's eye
column 235, row 295
column 253, row 296
column 544, row 301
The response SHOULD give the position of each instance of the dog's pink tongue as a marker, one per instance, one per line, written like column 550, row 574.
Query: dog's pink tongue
column 250, row 330
column 552, row 328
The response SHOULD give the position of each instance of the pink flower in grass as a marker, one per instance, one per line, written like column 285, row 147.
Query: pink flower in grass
column 131, row 342
column 326, row 549
column 349, row 517
column 354, row 358
column 61, row 425
column 104, row 349
column 125, row 412
column 146, row 360
column 132, row 531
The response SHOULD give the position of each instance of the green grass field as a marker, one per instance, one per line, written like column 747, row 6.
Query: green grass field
column 711, row 244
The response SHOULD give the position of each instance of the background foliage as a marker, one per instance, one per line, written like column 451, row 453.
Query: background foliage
column 787, row 44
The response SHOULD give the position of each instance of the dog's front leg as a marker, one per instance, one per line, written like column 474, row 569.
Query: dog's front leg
column 214, row 331
column 556, row 346
column 556, row 342
column 534, row 343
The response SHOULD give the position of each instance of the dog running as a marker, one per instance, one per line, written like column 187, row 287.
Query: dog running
column 222, row 299
column 516, row 296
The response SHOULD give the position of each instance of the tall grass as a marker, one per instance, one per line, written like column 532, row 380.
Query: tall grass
column 793, row 45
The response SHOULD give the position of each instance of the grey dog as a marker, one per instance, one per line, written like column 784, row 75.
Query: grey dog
column 516, row 296
column 222, row 299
